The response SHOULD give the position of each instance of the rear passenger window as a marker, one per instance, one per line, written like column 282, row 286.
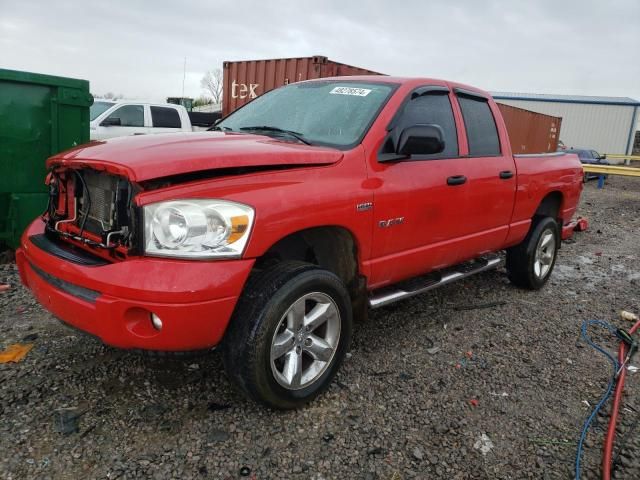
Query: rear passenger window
column 430, row 108
column 482, row 133
column 163, row 117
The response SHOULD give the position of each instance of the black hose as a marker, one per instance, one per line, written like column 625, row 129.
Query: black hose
column 48, row 210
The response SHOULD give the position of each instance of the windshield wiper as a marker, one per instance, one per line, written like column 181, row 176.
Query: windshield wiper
column 267, row 128
column 218, row 127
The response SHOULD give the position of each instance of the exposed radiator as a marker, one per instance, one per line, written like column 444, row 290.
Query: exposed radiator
column 102, row 207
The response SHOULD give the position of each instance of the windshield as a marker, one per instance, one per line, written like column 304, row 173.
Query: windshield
column 324, row 112
column 99, row 107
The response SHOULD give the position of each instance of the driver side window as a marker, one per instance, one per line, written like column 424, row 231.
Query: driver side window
column 433, row 107
column 130, row 115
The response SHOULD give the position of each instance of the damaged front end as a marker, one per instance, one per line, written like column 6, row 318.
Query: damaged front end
column 93, row 210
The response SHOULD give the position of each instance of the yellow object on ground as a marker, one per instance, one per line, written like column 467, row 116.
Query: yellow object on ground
column 615, row 155
column 612, row 170
column 15, row 353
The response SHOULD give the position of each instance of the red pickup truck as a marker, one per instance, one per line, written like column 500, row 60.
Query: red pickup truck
column 307, row 206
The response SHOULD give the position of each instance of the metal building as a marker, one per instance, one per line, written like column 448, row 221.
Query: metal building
column 605, row 124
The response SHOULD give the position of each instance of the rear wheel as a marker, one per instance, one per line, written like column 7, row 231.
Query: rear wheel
column 530, row 263
column 289, row 335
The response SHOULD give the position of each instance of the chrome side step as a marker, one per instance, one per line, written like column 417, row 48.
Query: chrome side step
column 415, row 286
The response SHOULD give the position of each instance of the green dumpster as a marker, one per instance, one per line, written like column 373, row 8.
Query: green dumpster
column 40, row 115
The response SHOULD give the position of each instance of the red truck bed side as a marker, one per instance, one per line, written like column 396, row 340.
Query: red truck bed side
column 556, row 176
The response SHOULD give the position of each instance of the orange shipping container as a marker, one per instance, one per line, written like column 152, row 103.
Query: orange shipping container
column 531, row 132
column 245, row 80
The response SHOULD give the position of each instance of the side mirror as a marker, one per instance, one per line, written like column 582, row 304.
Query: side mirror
column 603, row 156
column 111, row 122
column 424, row 139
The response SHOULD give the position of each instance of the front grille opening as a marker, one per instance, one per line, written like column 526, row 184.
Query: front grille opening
column 98, row 211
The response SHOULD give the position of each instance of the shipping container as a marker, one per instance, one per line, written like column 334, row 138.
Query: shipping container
column 40, row 115
column 245, row 80
column 531, row 132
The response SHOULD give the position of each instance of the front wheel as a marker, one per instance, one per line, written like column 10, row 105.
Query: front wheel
column 289, row 334
column 530, row 263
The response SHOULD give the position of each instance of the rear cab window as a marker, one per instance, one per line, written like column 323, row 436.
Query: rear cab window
column 165, row 117
column 482, row 132
column 582, row 154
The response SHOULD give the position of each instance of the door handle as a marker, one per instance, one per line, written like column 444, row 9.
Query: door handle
column 505, row 174
column 456, row 180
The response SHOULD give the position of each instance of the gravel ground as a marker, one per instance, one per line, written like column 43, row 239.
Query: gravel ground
column 512, row 377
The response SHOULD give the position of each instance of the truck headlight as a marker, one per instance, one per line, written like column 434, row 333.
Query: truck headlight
column 197, row 228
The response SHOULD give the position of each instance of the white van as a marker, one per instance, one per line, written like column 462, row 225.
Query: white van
column 120, row 118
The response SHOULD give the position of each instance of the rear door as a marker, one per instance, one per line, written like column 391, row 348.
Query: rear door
column 491, row 173
column 165, row 119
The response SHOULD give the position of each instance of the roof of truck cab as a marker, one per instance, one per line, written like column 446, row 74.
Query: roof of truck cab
column 137, row 102
column 411, row 81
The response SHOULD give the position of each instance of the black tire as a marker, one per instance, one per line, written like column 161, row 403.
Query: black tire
column 247, row 345
column 521, row 259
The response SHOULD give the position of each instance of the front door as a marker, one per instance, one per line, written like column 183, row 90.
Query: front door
column 124, row 121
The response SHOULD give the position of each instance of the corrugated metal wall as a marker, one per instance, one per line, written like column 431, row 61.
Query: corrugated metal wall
column 604, row 128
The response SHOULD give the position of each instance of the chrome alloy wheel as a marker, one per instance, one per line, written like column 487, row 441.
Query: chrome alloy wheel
column 305, row 341
column 545, row 254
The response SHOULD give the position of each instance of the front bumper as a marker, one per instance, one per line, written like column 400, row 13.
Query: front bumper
column 114, row 302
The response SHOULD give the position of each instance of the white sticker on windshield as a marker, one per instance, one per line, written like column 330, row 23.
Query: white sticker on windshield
column 358, row 92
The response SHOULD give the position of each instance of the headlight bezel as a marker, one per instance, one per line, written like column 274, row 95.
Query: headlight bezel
column 238, row 217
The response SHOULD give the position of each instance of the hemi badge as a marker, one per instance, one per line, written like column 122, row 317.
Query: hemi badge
column 363, row 207
column 391, row 222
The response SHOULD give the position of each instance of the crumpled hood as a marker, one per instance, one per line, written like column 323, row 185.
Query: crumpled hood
column 147, row 157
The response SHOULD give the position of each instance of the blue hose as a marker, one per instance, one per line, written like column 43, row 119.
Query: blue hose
column 607, row 395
